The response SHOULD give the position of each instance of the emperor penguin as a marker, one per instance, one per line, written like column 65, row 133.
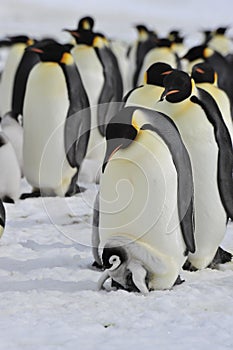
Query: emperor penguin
column 208, row 142
column 178, row 42
column 203, row 53
column 161, row 53
column 145, row 42
column 143, row 225
column 206, row 78
column 56, row 118
column 148, row 94
column 10, row 176
column 219, row 41
column 101, row 77
column 12, row 123
column 18, row 45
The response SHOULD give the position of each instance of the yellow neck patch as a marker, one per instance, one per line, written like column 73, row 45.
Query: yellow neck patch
column 67, row 58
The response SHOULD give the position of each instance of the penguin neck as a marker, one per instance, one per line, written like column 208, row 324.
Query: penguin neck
column 74, row 86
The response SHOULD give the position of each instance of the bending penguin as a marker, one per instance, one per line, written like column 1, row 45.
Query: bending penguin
column 208, row 141
column 56, row 119
column 143, row 224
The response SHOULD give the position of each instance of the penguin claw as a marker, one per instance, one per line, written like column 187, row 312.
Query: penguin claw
column 75, row 190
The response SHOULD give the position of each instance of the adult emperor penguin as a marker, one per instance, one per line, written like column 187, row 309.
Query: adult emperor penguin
column 56, row 119
column 101, row 77
column 143, row 222
column 148, row 94
column 145, row 42
column 10, row 175
column 218, row 62
column 161, row 53
column 206, row 78
column 208, row 141
column 18, row 45
column 220, row 42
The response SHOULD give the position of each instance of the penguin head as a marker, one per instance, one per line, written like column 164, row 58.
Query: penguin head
column 53, row 52
column 86, row 23
column 120, row 133
column 203, row 73
column 195, row 53
column 221, row 30
column 114, row 257
column 21, row 39
column 163, row 42
column 156, row 72
column 178, row 86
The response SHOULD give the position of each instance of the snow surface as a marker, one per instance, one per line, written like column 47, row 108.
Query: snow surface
column 48, row 290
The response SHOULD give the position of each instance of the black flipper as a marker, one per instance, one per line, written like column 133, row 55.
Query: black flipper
column 110, row 98
column 28, row 61
column 78, row 120
column 225, row 153
column 2, row 215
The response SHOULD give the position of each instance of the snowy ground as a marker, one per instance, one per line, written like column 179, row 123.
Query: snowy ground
column 48, row 288
column 49, row 298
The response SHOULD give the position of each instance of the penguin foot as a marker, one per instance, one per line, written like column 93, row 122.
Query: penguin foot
column 75, row 190
column 189, row 267
column 33, row 194
column 178, row 281
column 7, row 199
column 221, row 257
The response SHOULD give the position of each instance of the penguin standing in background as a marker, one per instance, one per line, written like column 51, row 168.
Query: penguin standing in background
column 18, row 45
column 220, row 42
column 178, row 45
column 2, row 218
column 144, row 214
column 206, row 78
column 101, row 77
column 148, row 94
column 218, row 62
column 161, row 53
column 10, row 175
column 208, row 142
column 145, row 42
column 56, row 119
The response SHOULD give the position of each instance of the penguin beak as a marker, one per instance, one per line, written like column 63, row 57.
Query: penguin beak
column 72, row 32
column 167, row 93
column 199, row 70
column 35, row 49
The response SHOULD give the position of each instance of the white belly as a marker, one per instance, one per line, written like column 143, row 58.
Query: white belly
column 45, row 110
column 91, row 72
